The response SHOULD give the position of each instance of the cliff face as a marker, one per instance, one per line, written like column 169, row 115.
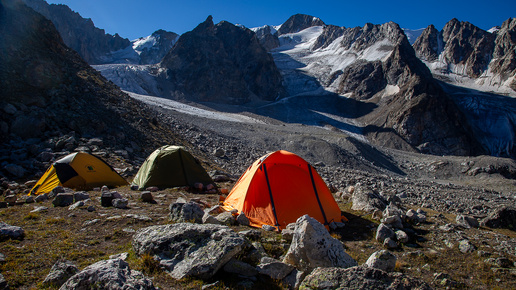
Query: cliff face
column 80, row 34
column 221, row 63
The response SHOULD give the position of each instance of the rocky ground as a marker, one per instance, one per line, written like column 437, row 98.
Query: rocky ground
column 440, row 246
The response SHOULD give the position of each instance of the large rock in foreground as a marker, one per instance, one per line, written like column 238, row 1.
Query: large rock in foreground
column 504, row 217
column 108, row 274
column 187, row 250
column 312, row 246
column 359, row 278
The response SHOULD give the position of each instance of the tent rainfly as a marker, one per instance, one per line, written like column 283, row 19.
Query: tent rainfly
column 80, row 171
column 170, row 166
column 280, row 187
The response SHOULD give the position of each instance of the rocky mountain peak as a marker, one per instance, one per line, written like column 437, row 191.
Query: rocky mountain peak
column 299, row 22
column 79, row 33
column 221, row 63
column 427, row 45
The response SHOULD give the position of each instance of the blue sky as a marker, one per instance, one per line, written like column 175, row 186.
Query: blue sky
column 133, row 19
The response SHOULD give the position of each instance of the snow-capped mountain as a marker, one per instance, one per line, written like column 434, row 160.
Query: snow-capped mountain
column 413, row 34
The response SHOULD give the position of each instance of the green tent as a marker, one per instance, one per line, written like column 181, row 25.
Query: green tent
column 171, row 166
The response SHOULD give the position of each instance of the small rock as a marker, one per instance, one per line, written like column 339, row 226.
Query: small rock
column 153, row 188
column 120, row 203
column 76, row 205
column 198, row 186
column 209, row 219
column 383, row 232
column 268, row 228
column 39, row 209
column 10, row 232
column 251, row 234
column 63, row 199
column 106, row 199
column 11, row 199
column 61, row 271
column 241, row 268
column 466, row 247
column 383, row 260
column 226, row 218
column 146, row 196
column 29, row 199
column 274, row 268
column 81, row 195
column 402, row 236
column 242, row 219
column 41, row 197
column 287, row 234
column 390, row 243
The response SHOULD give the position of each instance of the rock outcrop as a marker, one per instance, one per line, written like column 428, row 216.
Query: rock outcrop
column 299, row 22
column 220, row 63
column 108, row 274
column 189, row 250
column 153, row 48
column 312, row 246
column 359, row 278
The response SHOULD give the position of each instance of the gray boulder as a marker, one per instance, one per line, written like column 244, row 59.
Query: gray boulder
column 186, row 212
column 10, row 232
column 390, row 243
column 106, row 199
column 63, row 199
column 504, row 217
column 120, row 203
column 226, row 218
column 240, row 268
column 241, row 219
column 61, row 271
column 383, row 232
column 359, row 278
column 209, row 219
column 312, row 246
column 186, row 249
column 146, row 196
column 274, row 268
column 466, row 246
column 367, row 200
column 402, row 236
column 108, row 274
column 383, row 260
column 81, row 195
column 467, row 221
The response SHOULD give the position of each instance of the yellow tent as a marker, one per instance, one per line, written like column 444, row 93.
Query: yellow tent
column 80, row 171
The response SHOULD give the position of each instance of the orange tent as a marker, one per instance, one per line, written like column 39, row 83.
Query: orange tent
column 279, row 188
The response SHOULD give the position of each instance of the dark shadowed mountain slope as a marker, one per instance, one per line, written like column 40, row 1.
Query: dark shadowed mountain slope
column 49, row 91
column 220, row 63
column 80, row 34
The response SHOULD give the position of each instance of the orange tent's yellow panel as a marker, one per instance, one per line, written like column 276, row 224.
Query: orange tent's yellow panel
column 279, row 188
column 80, row 171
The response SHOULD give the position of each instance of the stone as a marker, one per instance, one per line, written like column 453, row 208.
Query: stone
column 106, row 198
column 367, row 200
column 274, row 268
column 402, row 236
column 55, row 191
column 383, row 232
column 122, row 256
column 242, row 219
column 219, row 152
column 120, row 203
column 504, row 217
column 39, row 209
column 3, row 282
column 390, row 243
column 11, row 199
column 198, row 186
column 108, row 274
column 294, row 279
column 360, row 277
column 268, row 228
column 10, row 109
column 146, row 196
column 251, row 234
column 395, row 221
column 41, row 198
column 240, row 268
column 63, row 199
column 467, row 221
column 80, row 195
column 412, row 216
column 16, row 170
column 29, row 199
column 60, row 272
column 226, row 218
column 10, row 232
column 186, row 212
column 187, row 250
column 153, row 188
column 76, row 205
column 312, row 246
column 209, row 219
column 383, row 260
column 465, row 246
column 287, row 234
